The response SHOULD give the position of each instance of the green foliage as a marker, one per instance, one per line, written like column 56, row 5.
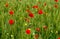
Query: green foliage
column 50, row 18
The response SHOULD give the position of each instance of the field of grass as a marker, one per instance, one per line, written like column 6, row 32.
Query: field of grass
column 29, row 19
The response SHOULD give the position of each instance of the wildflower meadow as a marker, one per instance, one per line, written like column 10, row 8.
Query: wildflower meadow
column 29, row 19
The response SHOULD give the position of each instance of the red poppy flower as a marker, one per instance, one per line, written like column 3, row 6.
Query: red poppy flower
column 35, row 6
column 28, row 11
column 31, row 15
column 59, row 38
column 45, row 27
column 45, row 4
column 56, row 6
column 28, row 31
column 11, row 12
column 40, row 11
column 11, row 21
column 56, row 0
column 26, row 19
column 36, row 36
column 6, row 5
column 38, row 29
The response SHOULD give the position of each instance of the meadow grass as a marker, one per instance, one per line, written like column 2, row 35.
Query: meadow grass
column 50, row 18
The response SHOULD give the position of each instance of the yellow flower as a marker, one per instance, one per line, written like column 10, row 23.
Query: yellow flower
column 12, row 36
column 36, row 0
column 25, row 24
column 52, row 31
column 56, row 32
column 33, row 33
